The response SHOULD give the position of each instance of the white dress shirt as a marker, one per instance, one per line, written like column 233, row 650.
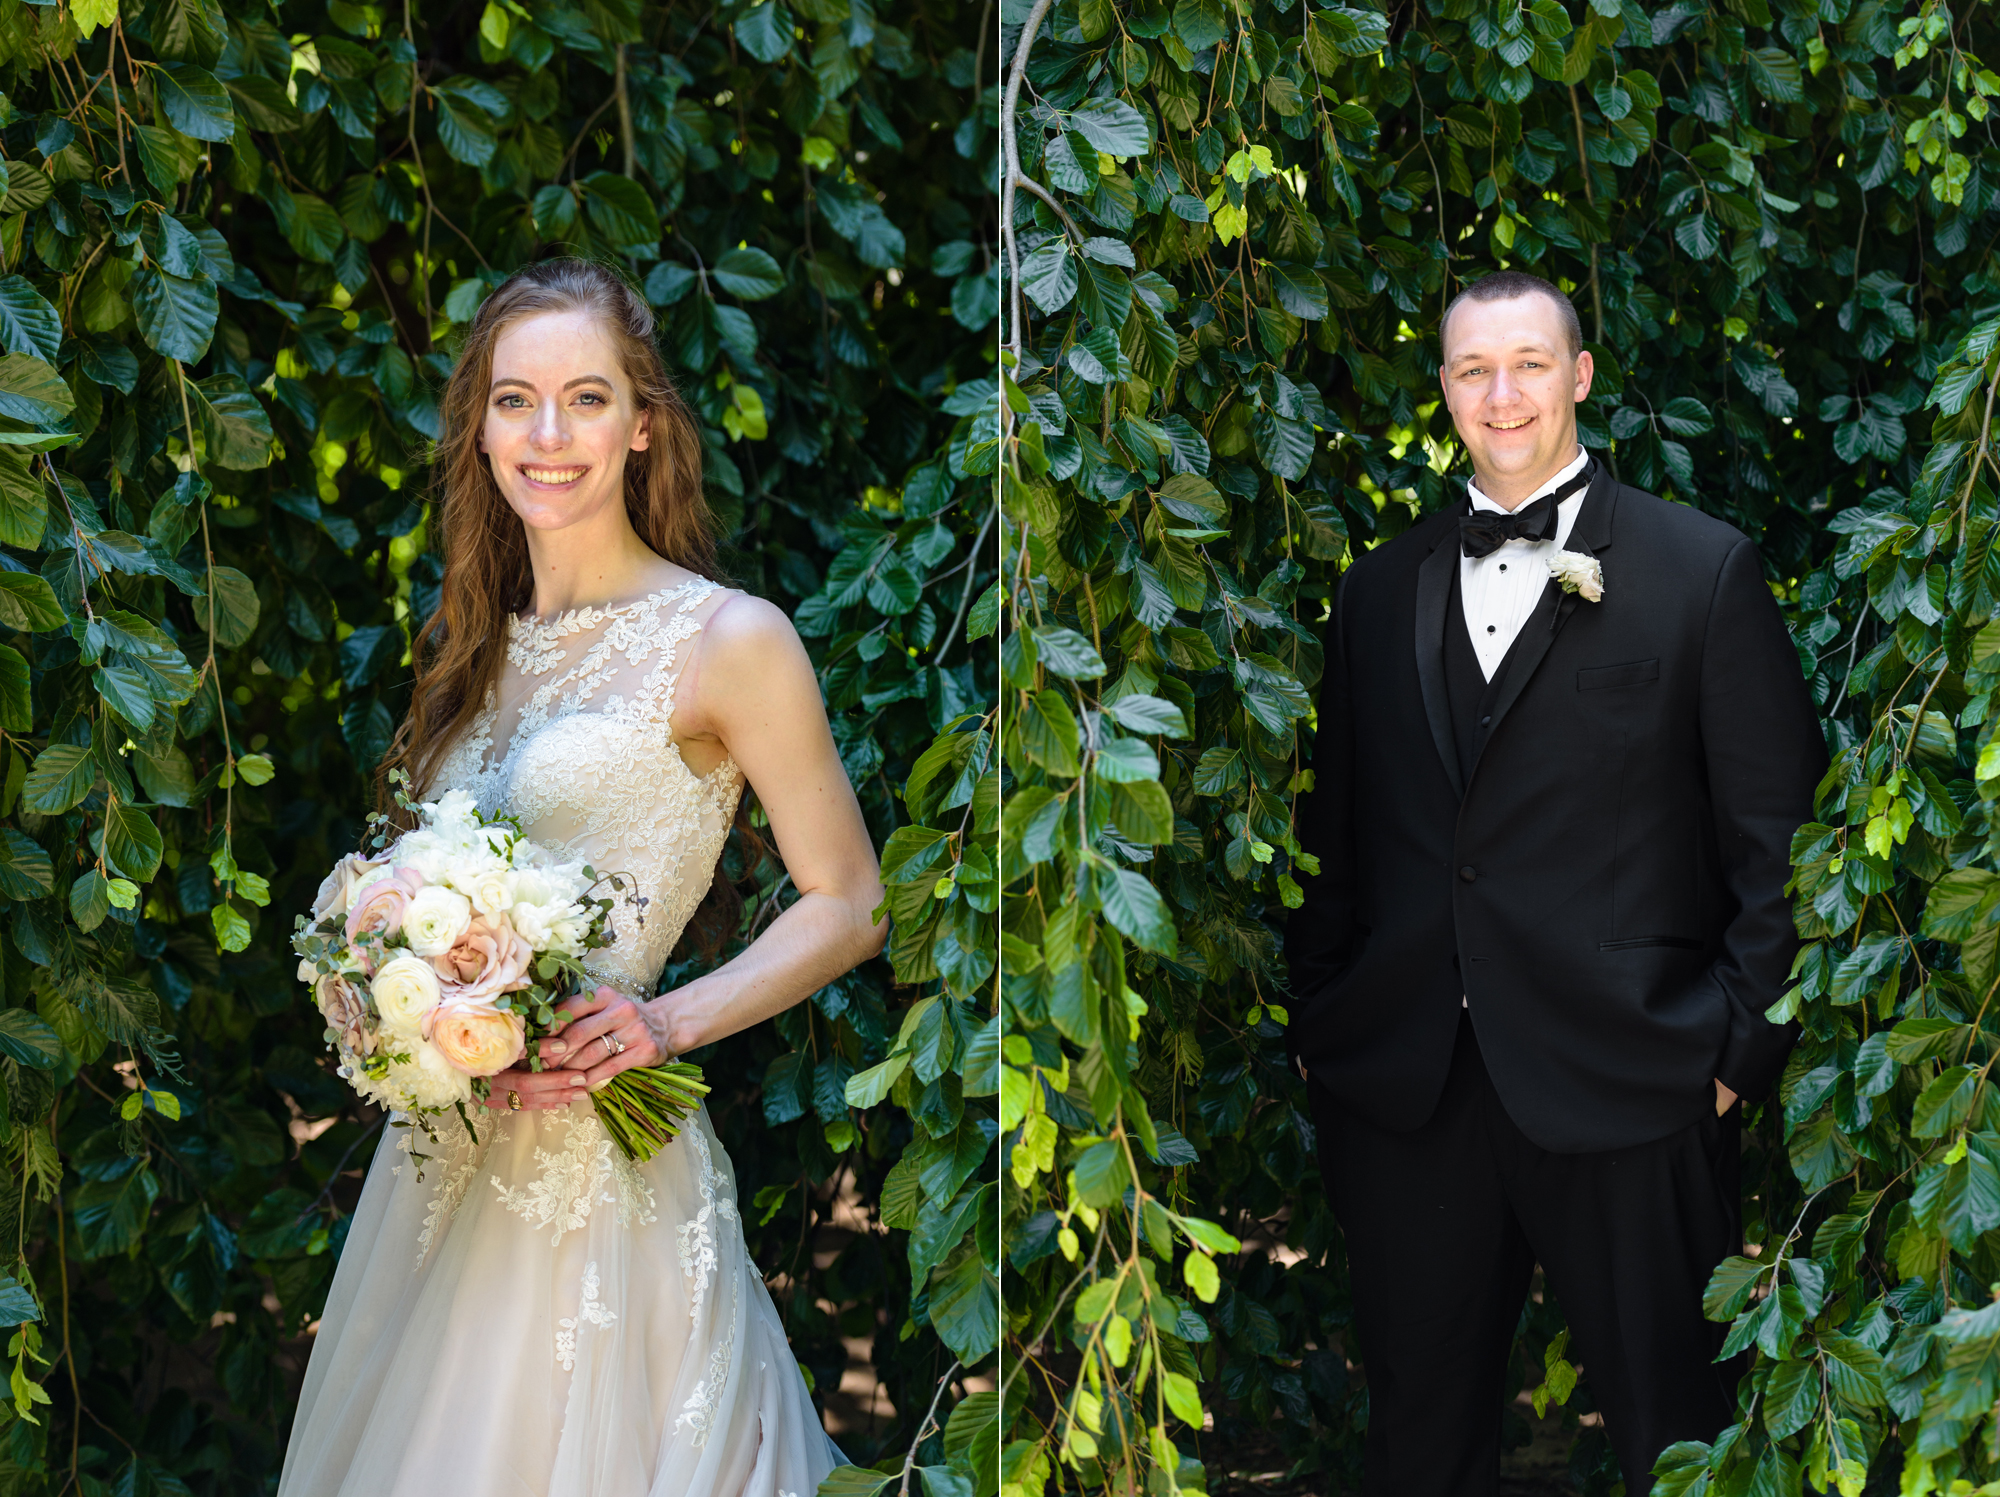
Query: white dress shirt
column 1498, row 591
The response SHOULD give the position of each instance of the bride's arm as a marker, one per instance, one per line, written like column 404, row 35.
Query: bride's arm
column 749, row 689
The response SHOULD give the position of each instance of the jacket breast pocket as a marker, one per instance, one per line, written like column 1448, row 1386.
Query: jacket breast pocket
column 1604, row 677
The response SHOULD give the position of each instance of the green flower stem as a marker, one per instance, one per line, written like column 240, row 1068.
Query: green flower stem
column 643, row 1108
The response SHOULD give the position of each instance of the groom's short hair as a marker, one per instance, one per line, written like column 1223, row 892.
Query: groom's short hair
column 1505, row 285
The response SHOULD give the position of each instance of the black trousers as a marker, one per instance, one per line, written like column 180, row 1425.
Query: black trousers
column 1444, row 1226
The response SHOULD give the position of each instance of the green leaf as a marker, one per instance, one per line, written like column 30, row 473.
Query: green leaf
column 232, row 931
column 765, row 30
column 132, row 843
column 89, row 900
column 1944, row 1104
column 622, row 211
column 28, row 324
column 852, row 1481
column 197, row 105
column 237, row 607
column 1049, row 734
column 748, row 274
column 465, row 131
column 62, row 775
column 868, row 1088
column 27, row 602
column 176, row 315
column 1064, row 652
column 30, row 390
column 965, row 1308
column 1135, row 909
column 29, row 1040
column 17, row 1305
column 1112, row 126
column 17, row 713
column 1141, row 713
column 235, row 426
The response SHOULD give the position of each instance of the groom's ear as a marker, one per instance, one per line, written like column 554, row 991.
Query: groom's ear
column 1586, row 370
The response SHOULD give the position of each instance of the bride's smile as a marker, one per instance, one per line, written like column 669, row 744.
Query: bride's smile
column 560, row 420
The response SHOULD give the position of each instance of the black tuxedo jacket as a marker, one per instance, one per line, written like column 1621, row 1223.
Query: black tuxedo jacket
column 1606, row 890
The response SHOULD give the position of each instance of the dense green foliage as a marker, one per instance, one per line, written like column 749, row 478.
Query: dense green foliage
column 234, row 242
column 1235, row 226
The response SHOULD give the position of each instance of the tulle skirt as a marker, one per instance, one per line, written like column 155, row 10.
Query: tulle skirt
column 538, row 1317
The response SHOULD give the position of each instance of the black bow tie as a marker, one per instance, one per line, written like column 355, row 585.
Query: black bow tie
column 1483, row 532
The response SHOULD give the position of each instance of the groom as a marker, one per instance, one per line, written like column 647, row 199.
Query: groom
column 1563, row 744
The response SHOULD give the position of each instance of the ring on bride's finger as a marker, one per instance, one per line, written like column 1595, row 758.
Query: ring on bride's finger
column 612, row 1044
column 513, row 1101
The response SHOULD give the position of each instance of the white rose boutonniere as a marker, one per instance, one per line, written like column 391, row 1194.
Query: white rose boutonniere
column 1577, row 573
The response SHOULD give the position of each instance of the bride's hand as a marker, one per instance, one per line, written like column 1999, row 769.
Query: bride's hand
column 577, row 1057
column 582, row 1047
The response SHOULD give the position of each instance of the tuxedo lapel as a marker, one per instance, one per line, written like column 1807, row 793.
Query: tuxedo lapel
column 1590, row 535
column 1434, row 579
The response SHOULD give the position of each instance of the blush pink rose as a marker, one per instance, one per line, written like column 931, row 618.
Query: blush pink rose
column 378, row 911
column 338, row 886
column 475, row 1037
column 491, row 958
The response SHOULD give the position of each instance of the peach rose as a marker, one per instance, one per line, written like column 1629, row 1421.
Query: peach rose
column 488, row 960
column 477, row 1038
column 345, row 1008
column 379, row 907
column 337, row 887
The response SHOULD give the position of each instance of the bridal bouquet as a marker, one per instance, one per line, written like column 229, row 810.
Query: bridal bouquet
column 440, row 961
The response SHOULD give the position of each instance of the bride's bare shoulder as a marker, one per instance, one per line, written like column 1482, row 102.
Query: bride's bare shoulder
column 747, row 632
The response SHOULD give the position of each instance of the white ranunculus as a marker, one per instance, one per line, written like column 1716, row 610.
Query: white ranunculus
column 535, row 886
column 532, row 921
column 455, row 809
column 405, row 990
column 1576, row 572
column 426, row 852
column 429, row 1080
column 435, row 919
column 566, row 934
column 491, row 888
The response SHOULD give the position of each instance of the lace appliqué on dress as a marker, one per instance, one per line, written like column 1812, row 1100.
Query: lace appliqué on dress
column 589, row 1312
column 697, row 1237
column 454, row 1171
column 697, row 1415
column 570, row 1180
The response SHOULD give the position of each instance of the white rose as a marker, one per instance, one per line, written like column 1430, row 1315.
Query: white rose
column 308, row 971
column 405, row 990
column 435, row 919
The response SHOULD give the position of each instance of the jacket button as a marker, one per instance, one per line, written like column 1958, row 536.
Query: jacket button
column 1468, row 873
column 1485, row 720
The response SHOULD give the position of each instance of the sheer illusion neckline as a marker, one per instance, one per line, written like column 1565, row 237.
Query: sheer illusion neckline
column 571, row 620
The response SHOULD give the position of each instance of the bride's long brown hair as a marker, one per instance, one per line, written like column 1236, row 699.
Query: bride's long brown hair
column 457, row 652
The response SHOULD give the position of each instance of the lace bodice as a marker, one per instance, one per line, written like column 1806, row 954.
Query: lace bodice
column 589, row 763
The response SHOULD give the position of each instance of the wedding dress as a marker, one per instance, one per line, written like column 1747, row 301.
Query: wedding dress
column 533, row 1315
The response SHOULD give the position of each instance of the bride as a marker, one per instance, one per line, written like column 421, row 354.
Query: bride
column 532, row 1314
